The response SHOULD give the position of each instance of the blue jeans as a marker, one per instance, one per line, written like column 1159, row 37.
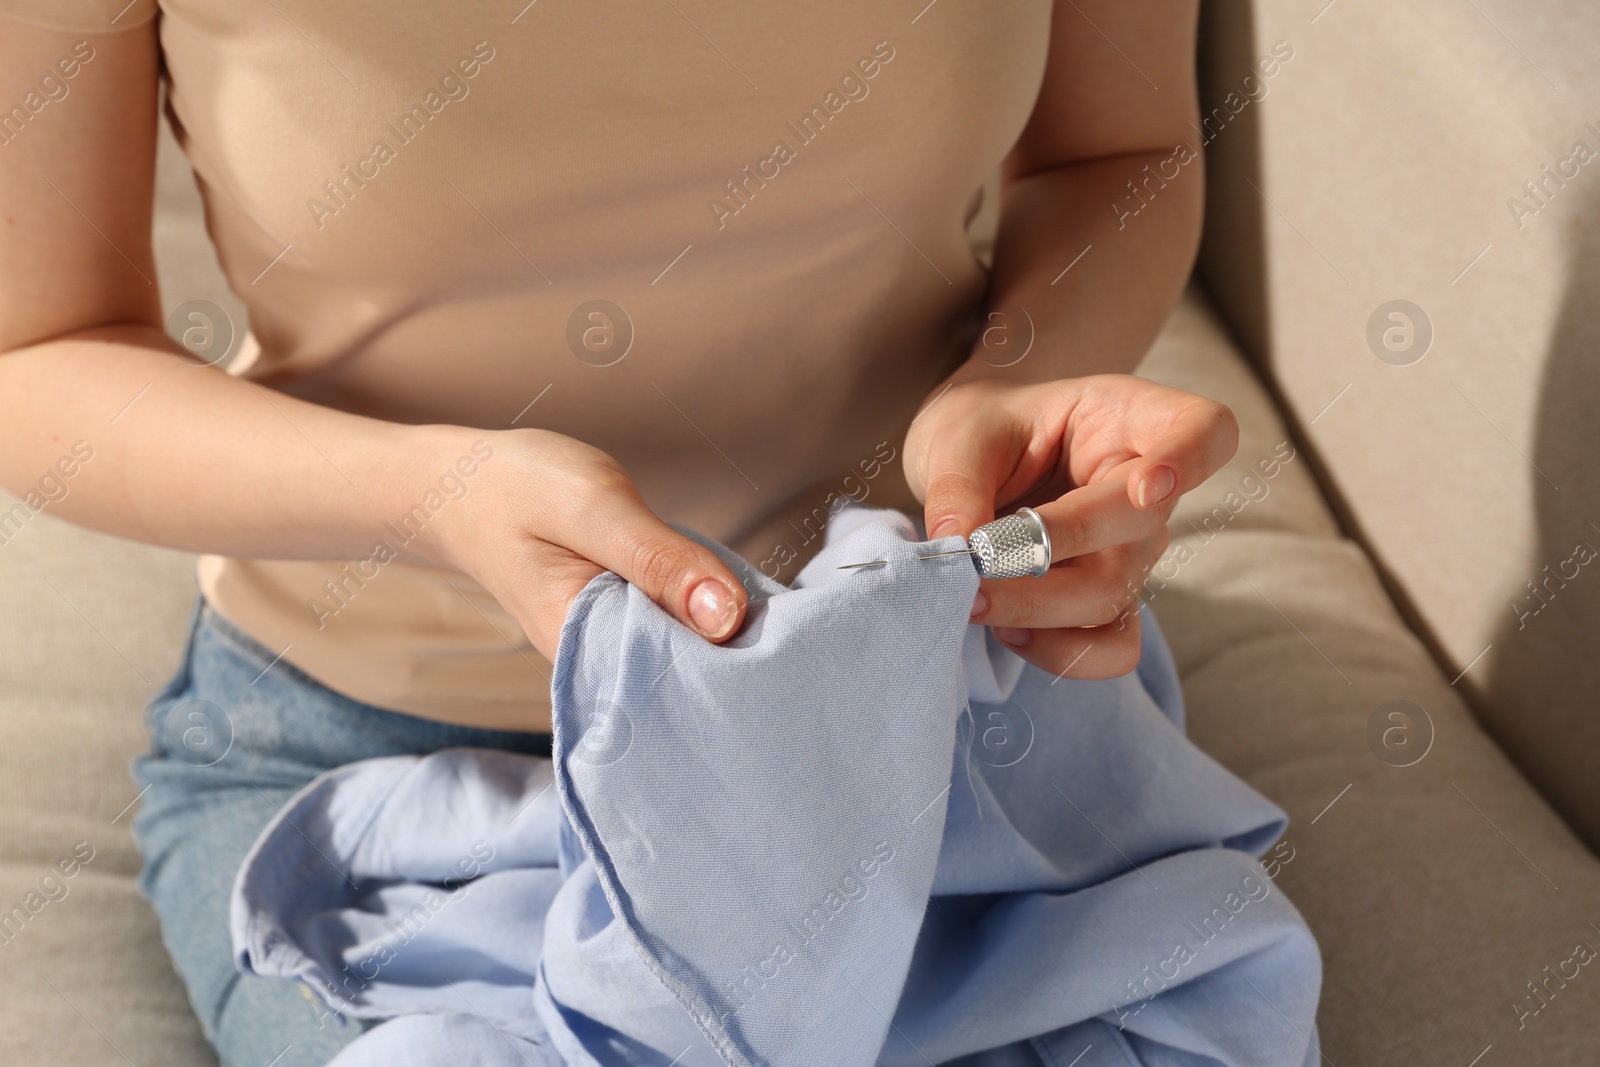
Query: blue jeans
column 233, row 735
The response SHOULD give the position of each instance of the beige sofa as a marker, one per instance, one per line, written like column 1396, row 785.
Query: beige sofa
column 1439, row 856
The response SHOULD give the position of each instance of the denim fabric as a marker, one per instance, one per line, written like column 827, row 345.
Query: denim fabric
column 230, row 742
column 859, row 833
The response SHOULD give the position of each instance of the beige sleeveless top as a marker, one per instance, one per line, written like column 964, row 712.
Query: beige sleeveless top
column 725, row 243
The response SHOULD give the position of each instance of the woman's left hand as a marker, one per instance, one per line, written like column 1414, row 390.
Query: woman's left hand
column 1103, row 459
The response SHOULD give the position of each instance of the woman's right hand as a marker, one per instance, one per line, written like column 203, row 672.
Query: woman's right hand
column 547, row 513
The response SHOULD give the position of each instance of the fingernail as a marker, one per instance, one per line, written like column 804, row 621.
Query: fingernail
column 1156, row 486
column 948, row 526
column 980, row 604
column 1012, row 635
column 711, row 608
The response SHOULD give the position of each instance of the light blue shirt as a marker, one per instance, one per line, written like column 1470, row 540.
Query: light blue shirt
column 859, row 833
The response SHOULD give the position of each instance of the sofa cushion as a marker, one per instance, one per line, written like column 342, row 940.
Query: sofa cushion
column 92, row 629
column 1426, row 864
column 1401, row 154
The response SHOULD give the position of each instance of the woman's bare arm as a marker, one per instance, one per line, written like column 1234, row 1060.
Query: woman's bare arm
column 1099, row 224
column 1109, row 168
column 183, row 455
column 189, row 457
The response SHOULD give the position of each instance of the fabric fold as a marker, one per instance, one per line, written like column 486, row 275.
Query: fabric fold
column 860, row 832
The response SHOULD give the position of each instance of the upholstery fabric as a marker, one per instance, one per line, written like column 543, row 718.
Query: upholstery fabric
column 1448, row 155
column 1433, row 886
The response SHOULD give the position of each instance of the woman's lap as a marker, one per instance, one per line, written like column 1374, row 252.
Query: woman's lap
column 233, row 736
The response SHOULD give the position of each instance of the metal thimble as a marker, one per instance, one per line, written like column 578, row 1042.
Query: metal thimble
column 1016, row 546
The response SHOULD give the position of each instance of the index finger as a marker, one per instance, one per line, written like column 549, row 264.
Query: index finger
column 1097, row 516
column 1202, row 437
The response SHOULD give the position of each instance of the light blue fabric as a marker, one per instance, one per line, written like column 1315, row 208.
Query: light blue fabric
column 234, row 734
column 859, row 833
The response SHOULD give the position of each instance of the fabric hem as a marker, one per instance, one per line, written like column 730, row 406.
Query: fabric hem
column 52, row 21
column 722, row 1042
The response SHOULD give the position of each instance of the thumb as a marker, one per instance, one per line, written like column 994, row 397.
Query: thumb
column 962, row 472
column 683, row 577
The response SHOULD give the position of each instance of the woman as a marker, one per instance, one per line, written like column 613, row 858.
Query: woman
column 528, row 283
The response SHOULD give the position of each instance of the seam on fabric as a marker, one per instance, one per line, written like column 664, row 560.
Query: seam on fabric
column 700, row 1013
column 253, row 922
